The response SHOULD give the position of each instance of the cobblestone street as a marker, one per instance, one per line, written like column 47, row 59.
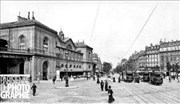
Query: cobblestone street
column 87, row 91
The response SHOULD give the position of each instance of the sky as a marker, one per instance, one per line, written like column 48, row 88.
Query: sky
column 109, row 27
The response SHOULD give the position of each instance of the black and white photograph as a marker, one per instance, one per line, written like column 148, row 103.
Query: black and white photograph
column 98, row 52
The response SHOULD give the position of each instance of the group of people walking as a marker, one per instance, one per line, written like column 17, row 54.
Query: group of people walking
column 104, row 86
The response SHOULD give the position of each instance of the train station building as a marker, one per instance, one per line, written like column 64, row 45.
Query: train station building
column 30, row 47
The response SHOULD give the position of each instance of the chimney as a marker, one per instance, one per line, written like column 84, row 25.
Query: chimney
column 28, row 15
column 33, row 15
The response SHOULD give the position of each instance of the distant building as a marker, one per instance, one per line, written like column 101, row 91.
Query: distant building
column 141, row 61
column 152, row 56
column 30, row 47
column 97, row 61
column 169, row 52
column 156, row 56
column 87, row 56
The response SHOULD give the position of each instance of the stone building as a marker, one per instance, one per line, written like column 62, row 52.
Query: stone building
column 87, row 52
column 169, row 52
column 97, row 61
column 152, row 56
column 31, row 47
column 141, row 60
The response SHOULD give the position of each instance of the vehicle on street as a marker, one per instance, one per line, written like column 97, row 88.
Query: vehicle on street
column 145, row 77
column 129, row 76
column 156, row 78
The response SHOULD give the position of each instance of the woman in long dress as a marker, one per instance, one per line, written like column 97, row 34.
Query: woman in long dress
column 106, row 85
column 110, row 93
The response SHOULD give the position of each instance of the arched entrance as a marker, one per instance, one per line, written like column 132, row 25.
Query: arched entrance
column 45, row 67
column 21, row 68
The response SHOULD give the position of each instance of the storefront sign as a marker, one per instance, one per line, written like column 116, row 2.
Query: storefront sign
column 14, row 87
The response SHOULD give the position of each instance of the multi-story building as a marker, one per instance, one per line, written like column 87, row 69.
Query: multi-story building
column 152, row 56
column 30, row 47
column 97, row 61
column 141, row 61
column 157, row 56
column 87, row 52
column 169, row 52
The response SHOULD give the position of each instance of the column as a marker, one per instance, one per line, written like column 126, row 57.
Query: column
column 58, row 75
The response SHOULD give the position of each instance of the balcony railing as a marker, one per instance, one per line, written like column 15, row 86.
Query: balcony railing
column 27, row 51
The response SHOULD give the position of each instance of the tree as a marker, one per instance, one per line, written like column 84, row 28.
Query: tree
column 118, row 69
column 131, row 64
column 107, row 66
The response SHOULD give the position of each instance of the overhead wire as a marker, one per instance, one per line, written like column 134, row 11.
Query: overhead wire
column 94, row 24
column 141, row 29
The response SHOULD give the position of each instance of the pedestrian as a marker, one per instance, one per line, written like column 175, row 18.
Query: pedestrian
column 87, row 78
column 178, row 77
column 114, row 79
column 106, row 85
column 98, row 80
column 119, row 79
column 34, row 89
column 93, row 78
column 54, row 79
column 110, row 93
column 169, row 77
column 102, row 85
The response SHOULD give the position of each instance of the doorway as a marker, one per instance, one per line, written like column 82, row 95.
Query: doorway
column 45, row 67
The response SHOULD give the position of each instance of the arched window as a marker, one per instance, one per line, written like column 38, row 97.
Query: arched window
column 45, row 44
column 89, row 66
column 62, row 65
column 22, row 42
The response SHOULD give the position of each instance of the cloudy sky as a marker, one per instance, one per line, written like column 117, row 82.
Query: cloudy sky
column 109, row 27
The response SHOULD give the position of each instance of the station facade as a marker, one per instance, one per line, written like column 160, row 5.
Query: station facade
column 30, row 47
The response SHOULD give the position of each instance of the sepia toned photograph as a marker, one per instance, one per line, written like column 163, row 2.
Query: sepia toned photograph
column 82, row 52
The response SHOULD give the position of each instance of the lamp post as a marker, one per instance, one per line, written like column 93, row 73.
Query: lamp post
column 66, row 79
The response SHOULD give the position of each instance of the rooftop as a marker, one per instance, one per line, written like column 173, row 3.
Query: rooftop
column 82, row 45
column 25, row 22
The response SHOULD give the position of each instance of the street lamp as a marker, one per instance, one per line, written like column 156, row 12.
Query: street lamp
column 66, row 79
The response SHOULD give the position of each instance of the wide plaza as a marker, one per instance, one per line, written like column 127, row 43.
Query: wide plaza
column 88, row 91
